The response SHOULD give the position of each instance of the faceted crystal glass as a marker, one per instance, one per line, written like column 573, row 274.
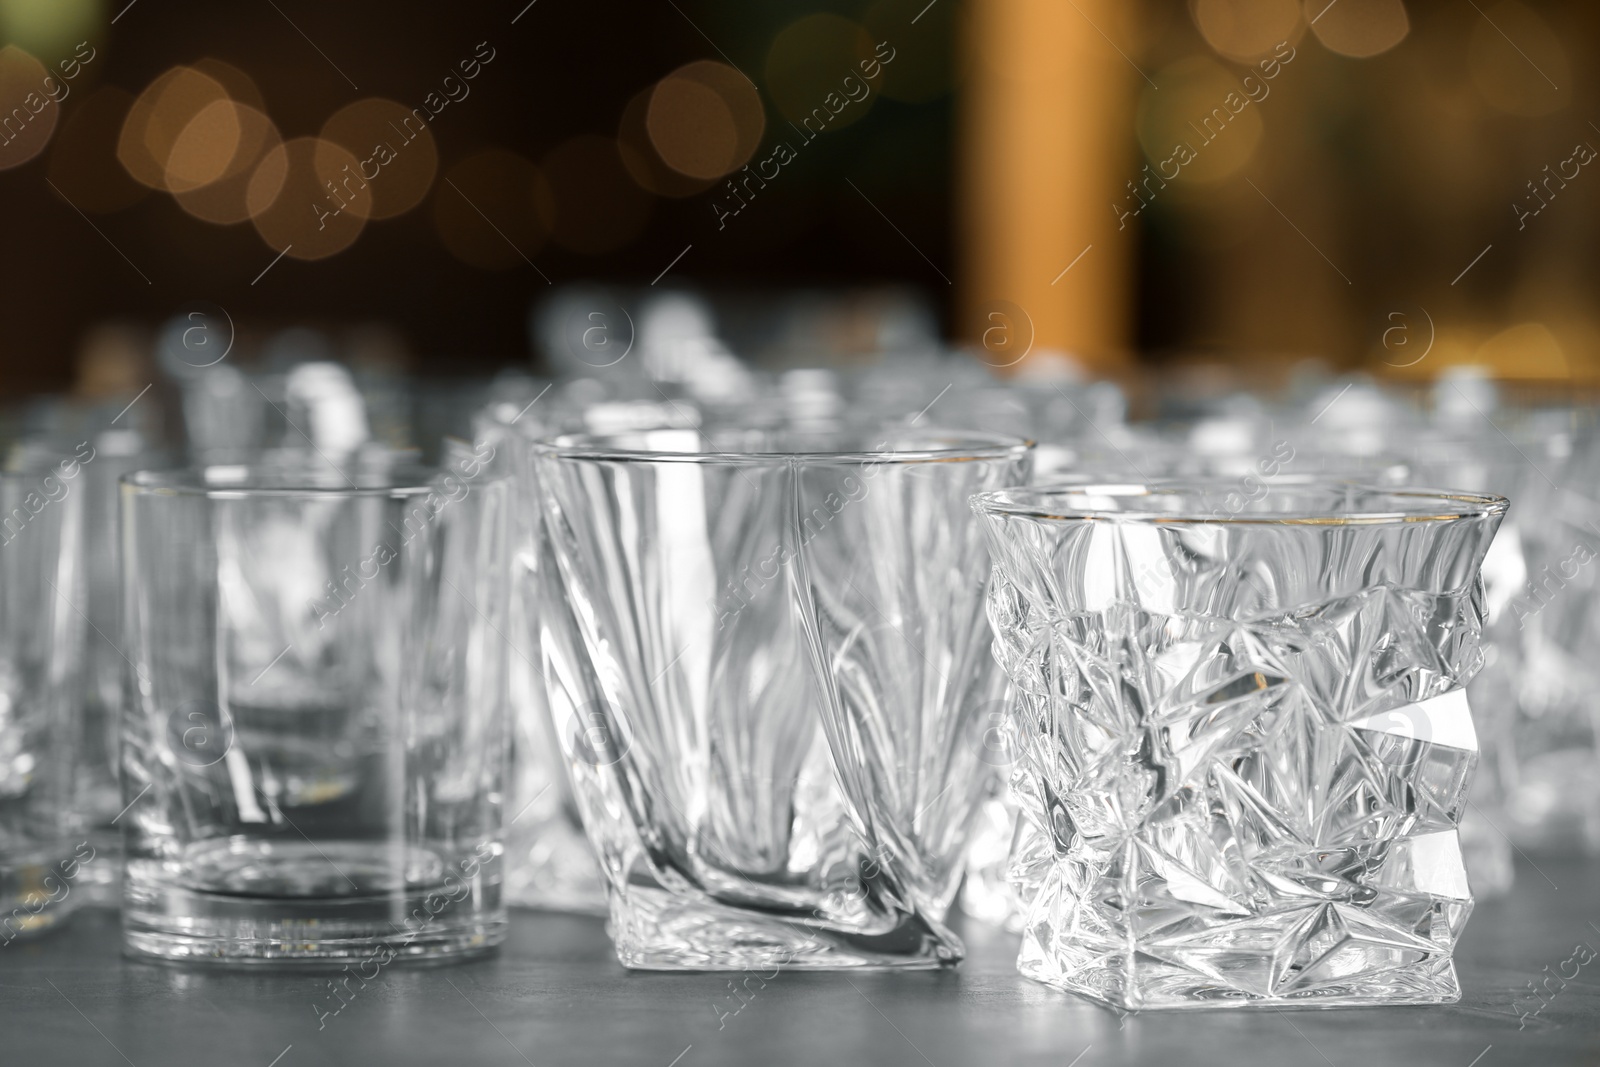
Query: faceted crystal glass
column 314, row 745
column 1243, row 737
column 768, row 662
column 987, row 894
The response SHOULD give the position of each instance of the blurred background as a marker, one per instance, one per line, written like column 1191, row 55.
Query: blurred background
column 1213, row 189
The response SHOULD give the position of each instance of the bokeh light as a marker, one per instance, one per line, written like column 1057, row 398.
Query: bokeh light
column 705, row 119
column 396, row 150
column 1358, row 28
column 28, row 116
column 1531, row 77
column 238, row 85
column 50, row 28
column 225, row 200
column 1246, row 29
column 1201, row 126
column 307, row 199
column 1530, row 348
column 205, row 147
column 493, row 210
column 83, row 160
column 640, row 158
column 158, row 118
column 598, row 207
column 806, row 70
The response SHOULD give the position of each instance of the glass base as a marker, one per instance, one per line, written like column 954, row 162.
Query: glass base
column 289, row 904
column 1166, row 987
column 655, row 931
column 35, row 895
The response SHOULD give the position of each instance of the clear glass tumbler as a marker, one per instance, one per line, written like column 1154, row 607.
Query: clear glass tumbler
column 1244, row 737
column 988, row 894
column 314, row 748
column 768, row 662
column 43, row 866
column 549, row 863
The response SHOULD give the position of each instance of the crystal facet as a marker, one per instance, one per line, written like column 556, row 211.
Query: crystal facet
column 1243, row 738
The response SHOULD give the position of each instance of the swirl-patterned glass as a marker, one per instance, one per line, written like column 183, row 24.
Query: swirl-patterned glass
column 768, row 661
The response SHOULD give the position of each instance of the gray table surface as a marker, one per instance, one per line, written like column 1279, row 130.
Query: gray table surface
column 555, row 995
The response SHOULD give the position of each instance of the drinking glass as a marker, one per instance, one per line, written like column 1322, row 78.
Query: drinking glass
column 314, row 747
column 988, row 893
column 767, row 659
column 548, row 861
column 42, row 865
column 1243, row 735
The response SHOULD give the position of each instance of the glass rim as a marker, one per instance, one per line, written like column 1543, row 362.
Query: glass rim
column 952, row 446
column 1431, row 505
column 251, row 480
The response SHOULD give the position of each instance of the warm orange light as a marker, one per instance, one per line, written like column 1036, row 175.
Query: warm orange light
column 598, row 208
column 83, row 162
column 205, row 147
column 1046, row 149
column 1534, row 77
column 705, row 120
column 28, row 115
column 492, row 210
column 1358, row 28
column 395, row 148
column 1246, row 29
column 224, row 199
column 157, row 119
column 1527, row 350
column 1200, row 126
column 307, row 198
column 640, row 158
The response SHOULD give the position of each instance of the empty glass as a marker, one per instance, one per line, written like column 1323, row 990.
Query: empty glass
column 1243, row 736
column 314, row 748
column 42, row 866
column 548, row 860
column 768, row 663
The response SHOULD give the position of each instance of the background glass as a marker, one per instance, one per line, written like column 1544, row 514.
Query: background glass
column 42, row 865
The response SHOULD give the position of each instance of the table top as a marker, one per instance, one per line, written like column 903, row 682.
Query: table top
column 555, row 995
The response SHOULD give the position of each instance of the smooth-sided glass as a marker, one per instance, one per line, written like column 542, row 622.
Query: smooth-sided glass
column 768, row 662
column 549, row 863
column 1243, row 736
column 43, row 863
column 314, row 749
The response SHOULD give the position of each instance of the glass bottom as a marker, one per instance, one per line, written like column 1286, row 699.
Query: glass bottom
column 1175, row 989
column 38, row 890
column 252, row 903
column 657, row 931
column 1152, row 984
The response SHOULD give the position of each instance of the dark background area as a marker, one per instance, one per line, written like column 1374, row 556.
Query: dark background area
column 563, row 70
